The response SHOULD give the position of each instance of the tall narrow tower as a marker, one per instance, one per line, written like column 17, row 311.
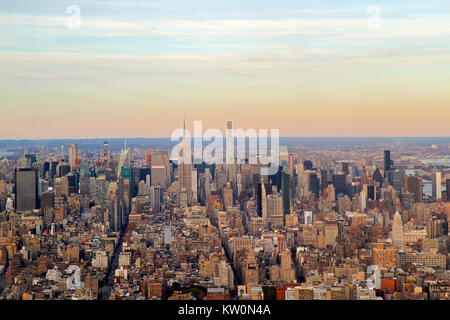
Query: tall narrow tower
column 397, row 231
column 185, row 166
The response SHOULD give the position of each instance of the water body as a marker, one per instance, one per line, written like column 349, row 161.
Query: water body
column 439, row 162
column 5, row 153
column 427, row 189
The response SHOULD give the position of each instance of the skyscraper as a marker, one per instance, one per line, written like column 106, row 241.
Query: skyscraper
column 397, row 231
column 124, row 161
column 158, row 176
column 161, row 158
column 415, row 186
column 436, row 185
column 73, row 154
column 448, row 190
column 286, row 193
column 185, row 168
column 26, row 186
column 387, row 161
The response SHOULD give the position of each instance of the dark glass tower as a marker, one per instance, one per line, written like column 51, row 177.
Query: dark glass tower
column 387, row 161
column 286, row 193
column 26, row 189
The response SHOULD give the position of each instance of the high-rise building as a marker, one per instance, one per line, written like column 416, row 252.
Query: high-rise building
column 185, row 169
column 286, row 193
column 156, row 195
column 436, row 185
column 331, row 233
column 228, row 196
column 274, row 205
column 323, row 179
column 158, row 176
column 396, row 179
column 415, row 186
column 397, row 231
column 340, row 183
column 73, row 155
column 26, row 185
column 448, row 190
column 314, row 185
column 387, row 161
column 124, row 161
column 161, row 158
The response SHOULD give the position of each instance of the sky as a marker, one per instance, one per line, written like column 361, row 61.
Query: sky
column 310, row 68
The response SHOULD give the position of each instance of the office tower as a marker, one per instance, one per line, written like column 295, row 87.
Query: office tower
column 58, row 193
column 345, row 166
column 115, row 215
column 73, row 155
column 65, row 186
column 43, row 186
column 286, row 193
column 161, row 158
column 156, row 194
column 53, row 169
column 371, row 193
column 124, row 161
column 314, row 185
column 307, row 165
column 275, row 179
column 158, row 176
column 228, row 196
column 407, row 200
column 284, row 157
column 185, row 169
column 396, row 179
column 331, row 232
column 26, row 185
column 323, row 179
column 63, row 169
column 363, row 199
column 387, row 161
column 274, row 205
column 85, row 185
column 415, row 186
column 340, row 183
column 436, row 185
column 46, row 200
column 448, row 190
column 259, row 198
column 378, row 177
column 397, row 231
column 30, row 158
column 72, row 183
column 300, row 158
column 101, row 191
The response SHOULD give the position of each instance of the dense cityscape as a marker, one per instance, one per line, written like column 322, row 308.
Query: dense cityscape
column 347, row 219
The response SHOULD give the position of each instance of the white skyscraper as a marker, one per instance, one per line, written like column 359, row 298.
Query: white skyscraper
column 397, row 231
column 436, row 185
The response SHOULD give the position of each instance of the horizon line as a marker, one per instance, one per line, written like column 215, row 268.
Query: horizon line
column 281, row 137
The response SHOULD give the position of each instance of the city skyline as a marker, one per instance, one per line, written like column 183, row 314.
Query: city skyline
column 310, row 69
